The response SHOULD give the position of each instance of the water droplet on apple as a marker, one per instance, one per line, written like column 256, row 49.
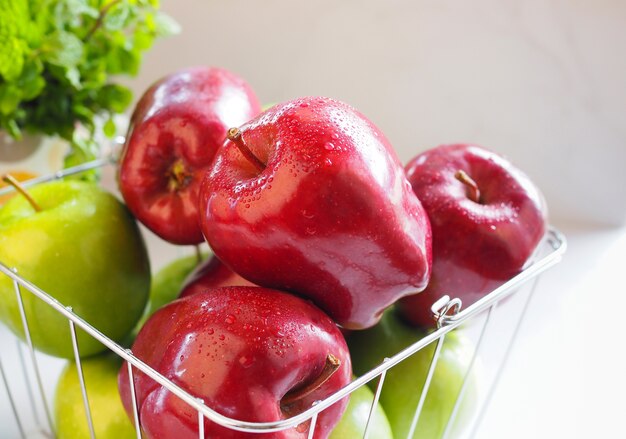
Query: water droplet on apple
column 246, row 361
column 210, row 331
column 329, row 146
column 230, row 319
column 328, row 162
column 222, row 337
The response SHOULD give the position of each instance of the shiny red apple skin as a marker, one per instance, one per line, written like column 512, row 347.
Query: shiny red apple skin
column 176, row 127
column 477, row 246
column 331, row 217
column 211, row 273
column 240, row 349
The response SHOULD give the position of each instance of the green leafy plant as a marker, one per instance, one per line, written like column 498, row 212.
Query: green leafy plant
column 57, row 59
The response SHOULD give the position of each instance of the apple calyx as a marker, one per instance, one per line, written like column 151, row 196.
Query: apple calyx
column 473, row 192
column 234, row 135
column 9, row 179
column 178, row 177
column 330, row 367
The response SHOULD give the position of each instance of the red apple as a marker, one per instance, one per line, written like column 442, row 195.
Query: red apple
column 250, row 353
column 309, row 197
column 175, row 130
column 211, row 274
column 487, row 218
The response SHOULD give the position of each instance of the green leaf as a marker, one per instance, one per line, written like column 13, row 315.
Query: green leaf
column 121, row 60
column 165, row 25
column 10, row 97
column 142, row 40
column 11, row 58
column 73, row 76
column 71, row 13
column 117, row 17
column 31, row 82
column 57, row 58
column 13, row 129
column 14, row 22
column 83, row 150
column 109, row 128
column 114, row 97
column 63, row 49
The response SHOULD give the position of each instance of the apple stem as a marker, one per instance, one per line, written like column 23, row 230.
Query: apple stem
column 234, row 135
column 9, row 179
column 473, row 191
column 330, row 367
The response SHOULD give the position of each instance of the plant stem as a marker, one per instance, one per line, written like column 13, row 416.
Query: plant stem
column 9, row 179
column 103, row 12
column 234, row 135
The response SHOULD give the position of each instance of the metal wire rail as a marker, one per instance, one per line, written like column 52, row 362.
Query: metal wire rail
column 446, row 311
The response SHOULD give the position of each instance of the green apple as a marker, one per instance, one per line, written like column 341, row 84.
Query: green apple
column 108, row 415
column 267, row 106
column 167, row 283
column 84, row 248
column 354, row 419
column 404, row 382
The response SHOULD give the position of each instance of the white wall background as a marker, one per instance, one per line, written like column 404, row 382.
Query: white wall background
column 542, row 82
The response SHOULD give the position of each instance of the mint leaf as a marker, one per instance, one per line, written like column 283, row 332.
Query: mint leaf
column 71, row 13
column 117, row 17
column 58, row 59
column 31, row 82
column 10, row 97
column 109, row 128
column 115, row 97
column 165, row 26
column 14, row 22
column 63, row 49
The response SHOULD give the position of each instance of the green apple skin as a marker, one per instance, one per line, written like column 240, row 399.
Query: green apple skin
column 109, row 417
column 404, row 382
column 354, row 419
column 167, row 283
column 84, row 248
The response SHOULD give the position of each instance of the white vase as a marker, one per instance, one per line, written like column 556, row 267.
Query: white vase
column 32, row 156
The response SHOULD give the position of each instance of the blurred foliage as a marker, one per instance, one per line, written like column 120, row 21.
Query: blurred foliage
column 57, row 59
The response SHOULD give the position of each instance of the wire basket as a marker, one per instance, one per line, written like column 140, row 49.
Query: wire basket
column 446, row 311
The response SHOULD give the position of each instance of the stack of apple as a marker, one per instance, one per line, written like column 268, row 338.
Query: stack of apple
column 314, row 224
column 316, row 229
